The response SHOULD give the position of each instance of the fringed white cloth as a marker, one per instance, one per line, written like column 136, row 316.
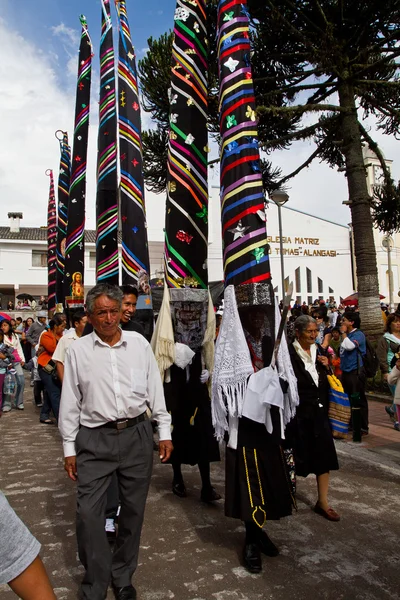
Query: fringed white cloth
column 162, row 342
column 232, row 368
column 209, row 337
column 285, row 371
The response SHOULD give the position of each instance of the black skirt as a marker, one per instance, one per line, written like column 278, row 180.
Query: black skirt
column 310, row 436
column 257, row 486
column 190, row 407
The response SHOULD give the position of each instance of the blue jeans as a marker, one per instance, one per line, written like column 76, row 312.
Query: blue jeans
column 19, row 396
column 51, row 400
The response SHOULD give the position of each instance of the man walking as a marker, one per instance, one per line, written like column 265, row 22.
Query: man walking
column 36, row 329
column 110, row 378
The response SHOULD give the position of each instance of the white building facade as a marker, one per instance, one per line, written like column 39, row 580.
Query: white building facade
column 317, row 253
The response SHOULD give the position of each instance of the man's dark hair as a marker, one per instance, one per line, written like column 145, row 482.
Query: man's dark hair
column 335, row 329
column 128, row 290
column 353, row 317
column 19, row 319
column 78, row 316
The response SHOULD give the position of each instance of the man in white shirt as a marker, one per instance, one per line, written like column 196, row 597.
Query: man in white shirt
column 110, row 378
column 78, row 325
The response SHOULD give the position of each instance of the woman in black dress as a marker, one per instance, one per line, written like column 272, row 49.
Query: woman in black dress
column 188, row 401
column 309, row 433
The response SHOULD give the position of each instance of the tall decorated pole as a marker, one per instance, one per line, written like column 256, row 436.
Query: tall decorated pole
column 64, row 178
column 107, row 265
column 75, row 243
column 51, row 244
column 135, row 249
column 186, row 225
column 245, row 257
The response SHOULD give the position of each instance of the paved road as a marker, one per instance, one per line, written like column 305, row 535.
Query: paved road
column 190, row 551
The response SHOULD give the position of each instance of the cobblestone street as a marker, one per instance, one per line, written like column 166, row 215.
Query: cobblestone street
column 190, row 551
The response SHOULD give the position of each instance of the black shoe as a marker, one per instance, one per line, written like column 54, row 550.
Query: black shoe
column 209, row 495
column 266, row 546
column 252, row 558
column 124, row 593
column 179, row 489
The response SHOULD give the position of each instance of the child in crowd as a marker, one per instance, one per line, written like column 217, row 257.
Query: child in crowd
column 335, row 342
column 6, row 364
column 38, row 385
column 394, row 379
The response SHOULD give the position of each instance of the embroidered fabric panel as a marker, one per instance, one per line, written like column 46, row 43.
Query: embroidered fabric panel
column 245, row 248
column 186, row 226
column 74, row 246
column 64, row 177
column 135, row 250
column 107, row 264
column 51, row 244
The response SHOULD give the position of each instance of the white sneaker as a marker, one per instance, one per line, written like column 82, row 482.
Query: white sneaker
column 110, row 526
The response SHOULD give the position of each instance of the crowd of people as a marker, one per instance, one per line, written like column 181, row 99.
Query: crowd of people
column 100, row 382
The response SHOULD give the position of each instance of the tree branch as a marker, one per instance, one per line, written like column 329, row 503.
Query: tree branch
column 299, row 110
column 303, row 166
column 306, row 19
column 291, row 27
column 375, row 82
column 321, row 12
column 377, row 63
column 296, row 135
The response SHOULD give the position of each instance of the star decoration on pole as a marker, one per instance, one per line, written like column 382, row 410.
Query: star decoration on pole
column 239, row 231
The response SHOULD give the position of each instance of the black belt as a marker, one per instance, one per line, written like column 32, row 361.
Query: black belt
column 124, row 423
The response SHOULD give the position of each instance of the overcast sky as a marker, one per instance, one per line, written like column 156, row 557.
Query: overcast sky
column 39, row 44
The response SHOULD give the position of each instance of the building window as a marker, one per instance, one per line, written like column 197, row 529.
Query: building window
column 298, row 299
column 286, row 282
column 39, row 258
column 320, row 286
column 92, row 260
column 309, row 300
column 309, row 281
column 298, row 280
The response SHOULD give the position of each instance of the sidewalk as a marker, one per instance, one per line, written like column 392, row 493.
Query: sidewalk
column 382, row 439
column 191, row 551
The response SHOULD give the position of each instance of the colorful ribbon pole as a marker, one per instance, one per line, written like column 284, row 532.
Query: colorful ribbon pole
column 107, row 265
column 246, row 259
column 64, row 178
column 75, row 249
column 51, row 244
column 186, row 226
column 135, row 250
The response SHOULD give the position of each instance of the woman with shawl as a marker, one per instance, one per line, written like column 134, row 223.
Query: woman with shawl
column 309, row 432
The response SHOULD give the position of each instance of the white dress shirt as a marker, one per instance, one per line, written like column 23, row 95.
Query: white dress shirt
column 64, row 343
column 104, row 383
column 309, row 361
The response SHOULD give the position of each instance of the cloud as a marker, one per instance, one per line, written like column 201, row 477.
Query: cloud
column 33, row 106
column 69, row 36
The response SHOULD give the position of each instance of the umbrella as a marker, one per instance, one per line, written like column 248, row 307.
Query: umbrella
column 4, row 316
column 25, row 297
column 352, row 300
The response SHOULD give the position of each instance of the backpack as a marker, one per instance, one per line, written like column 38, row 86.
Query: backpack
column 370, row 359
